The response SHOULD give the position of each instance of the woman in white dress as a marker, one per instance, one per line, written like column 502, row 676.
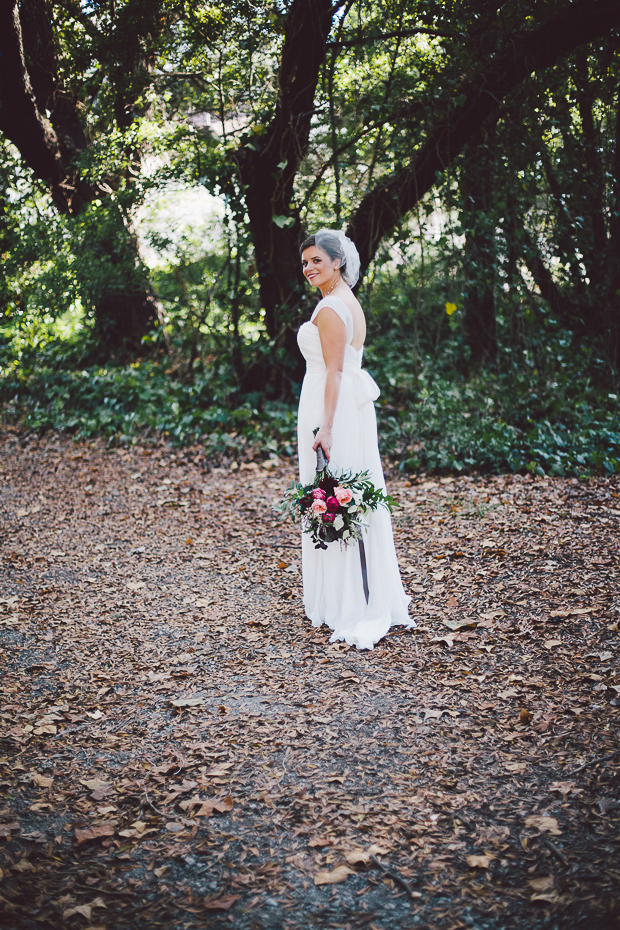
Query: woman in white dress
column 337, row 396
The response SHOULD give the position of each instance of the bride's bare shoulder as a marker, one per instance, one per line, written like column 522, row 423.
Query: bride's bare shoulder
column 353, row 303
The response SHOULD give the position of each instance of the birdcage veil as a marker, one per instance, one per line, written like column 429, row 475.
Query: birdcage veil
column 337, row 245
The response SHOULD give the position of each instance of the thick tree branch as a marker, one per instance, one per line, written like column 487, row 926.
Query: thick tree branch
column 20, row 119
column 41, row 64
column 268, row 164
column 543, row 279
column 529, row 51
column 39, row 51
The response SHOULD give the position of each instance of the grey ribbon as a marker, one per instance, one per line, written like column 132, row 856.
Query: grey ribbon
column 320, row 466
column 364, row 569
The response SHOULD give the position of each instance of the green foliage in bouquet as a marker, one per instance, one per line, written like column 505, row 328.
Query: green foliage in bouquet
column 331, row 509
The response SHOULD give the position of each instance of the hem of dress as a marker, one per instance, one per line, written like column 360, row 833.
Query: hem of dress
column 350, row 638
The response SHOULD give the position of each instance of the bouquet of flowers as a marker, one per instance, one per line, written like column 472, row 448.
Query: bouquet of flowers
column 332, row 509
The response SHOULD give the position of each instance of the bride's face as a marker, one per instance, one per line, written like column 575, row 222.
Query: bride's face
column 318, row 267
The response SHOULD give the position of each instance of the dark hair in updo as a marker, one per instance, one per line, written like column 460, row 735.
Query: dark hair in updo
column 330, row 243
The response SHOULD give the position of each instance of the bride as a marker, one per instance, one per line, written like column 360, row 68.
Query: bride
column 337, row 396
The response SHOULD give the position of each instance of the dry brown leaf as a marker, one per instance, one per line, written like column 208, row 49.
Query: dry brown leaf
column 43, row 781
column 223, row 903
column 207, row 807
column 359, row 856
column 544, row 883
column 84, row 910
column 24, row 865
column 564, row 788
column 572, row 612
column 516, row 767
column 549, row 897
column 219, row 770
column 93, row 833
column 187, row 702
column 480, row 862
column 457, row 625
column 543, row 824
column 223, row 806
column 337, row 875
column 94, row 784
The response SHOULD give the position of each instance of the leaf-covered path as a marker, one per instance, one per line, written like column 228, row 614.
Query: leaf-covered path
column 180, row 749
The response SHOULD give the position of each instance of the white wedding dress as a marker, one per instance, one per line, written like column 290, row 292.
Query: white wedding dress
column 332, row 577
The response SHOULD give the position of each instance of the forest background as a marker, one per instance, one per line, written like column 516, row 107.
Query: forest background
column 162, row 160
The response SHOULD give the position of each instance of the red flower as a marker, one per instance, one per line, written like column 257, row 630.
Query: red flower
column 318, row 494
column 328, row 518
column 332, row 504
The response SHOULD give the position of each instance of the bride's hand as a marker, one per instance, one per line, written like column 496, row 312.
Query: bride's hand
column 324, row 438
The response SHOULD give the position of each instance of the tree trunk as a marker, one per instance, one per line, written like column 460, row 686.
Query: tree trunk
column 613, row 269
column 479, row 258
column 268, row 166
column 237, row 355
column 30, row 87
column 594, row 243
column 123, row 319
column 125, row 310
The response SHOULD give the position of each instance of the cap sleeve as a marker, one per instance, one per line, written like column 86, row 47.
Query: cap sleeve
column 339, row 307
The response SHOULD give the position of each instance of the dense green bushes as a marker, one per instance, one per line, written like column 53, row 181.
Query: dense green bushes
column 553, row 422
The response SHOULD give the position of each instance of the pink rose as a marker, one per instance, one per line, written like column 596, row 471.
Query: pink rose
column 343, row 495
column 329, row 517
column 318, row 494
column 332, row 504
column 319, row 506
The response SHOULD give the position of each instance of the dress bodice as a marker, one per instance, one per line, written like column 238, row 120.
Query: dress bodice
column 309, row 342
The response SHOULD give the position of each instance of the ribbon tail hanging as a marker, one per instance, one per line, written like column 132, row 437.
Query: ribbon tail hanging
column 364, row 569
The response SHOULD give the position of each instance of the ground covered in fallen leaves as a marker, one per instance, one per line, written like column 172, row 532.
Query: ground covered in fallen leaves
column 180, row 749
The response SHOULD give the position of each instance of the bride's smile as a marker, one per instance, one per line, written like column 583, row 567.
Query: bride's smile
column 320, row 270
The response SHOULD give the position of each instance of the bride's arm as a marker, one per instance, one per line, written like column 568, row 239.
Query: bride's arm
column 333, row 334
